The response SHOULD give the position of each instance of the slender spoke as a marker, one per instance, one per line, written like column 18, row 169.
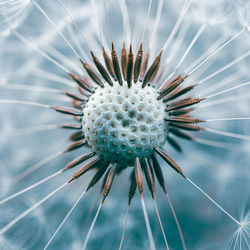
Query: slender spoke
column 62, row 58
column 215, row 203
column 177, row 222
column 156, row 24
column 217, row 144
column 36, row 166
column 177, row 44
column 13, row 101
column 90, row 212
column 108, row 21
column 132, row 22
column 124, row 228
column 149, row 231
column 159, row 219
column 230, row 89
column 216, row 51
column 225, row 81
column 217, row 43
column 198, row 34
column 25, row 87
column 64, row 220
column 42, row 53
column 91, row 227
column 230, row 99
column 229, row 134
column 146, row 22
column 31, row 130
column 178, row 23
column 72, row 20
column 126, row 27
column 29, row 188
column 240, row 58
column 99, row 32
column 55, row 27
column 52, row 77
column 228, row 119
column 25, row 213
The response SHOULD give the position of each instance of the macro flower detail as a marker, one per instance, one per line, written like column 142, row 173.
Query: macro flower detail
column 132, row 105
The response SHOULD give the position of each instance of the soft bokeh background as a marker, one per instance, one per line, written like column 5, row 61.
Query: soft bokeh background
column 222, row 170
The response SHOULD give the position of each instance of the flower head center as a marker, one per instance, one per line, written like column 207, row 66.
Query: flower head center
column 122, row 123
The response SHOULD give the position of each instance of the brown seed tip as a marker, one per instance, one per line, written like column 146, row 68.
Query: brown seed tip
column 138, row 175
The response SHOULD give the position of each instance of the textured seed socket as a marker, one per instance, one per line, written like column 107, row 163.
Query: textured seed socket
column 121, row 124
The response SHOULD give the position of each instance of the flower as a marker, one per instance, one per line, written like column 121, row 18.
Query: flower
column 147, row 76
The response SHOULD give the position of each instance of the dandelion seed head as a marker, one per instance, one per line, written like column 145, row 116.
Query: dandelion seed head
column 122, row 123
column 116, row 141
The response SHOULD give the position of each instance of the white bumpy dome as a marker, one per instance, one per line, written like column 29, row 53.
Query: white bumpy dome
column 121, row 123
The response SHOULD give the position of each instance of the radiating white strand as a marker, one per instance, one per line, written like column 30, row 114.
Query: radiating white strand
column 55, row 27
column 61, row 57
column 64, row 220
column 156, row 24
column 146, row 22
column 24, row 40
column 216, row 51
column 108, row 21
column 231, row 99
column 29, row 187
column 75, row 38
column 149, row 231
column 124, row 228
column 7, row 20
column 229, row 134
column 25, row 213
column 215, row 203
column 177, row 43
column 222, row 145
column 246, row 54
column 99, row 33
column 177, row 24
column 133, row 22
column 31, row 130
column 52, row 77
column 91, row 227
column 198, row 34
column 236, row 240
column 17, row 86
column 225, row 81
column 77, row 27
column 228, row 90
column 91, row 209
column 177, row 222
column 246, row 239
column 202, row 56
column 229, row 119
column 126, row 27
column 162, row 229
column 13, row 101
column 205, row 68
column 35, row 167
column 196, row 37
column 232, row 239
